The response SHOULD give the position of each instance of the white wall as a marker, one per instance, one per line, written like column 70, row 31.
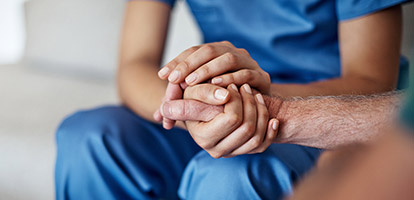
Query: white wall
column 11, row 31
column 82, row 36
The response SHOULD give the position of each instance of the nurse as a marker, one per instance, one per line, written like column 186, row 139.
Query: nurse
column 297, row 48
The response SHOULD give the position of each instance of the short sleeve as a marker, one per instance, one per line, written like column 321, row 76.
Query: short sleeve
column 348, row 9
column 169, row 2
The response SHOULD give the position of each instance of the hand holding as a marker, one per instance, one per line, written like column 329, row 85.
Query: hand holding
column 244, row 126
column 221, row 60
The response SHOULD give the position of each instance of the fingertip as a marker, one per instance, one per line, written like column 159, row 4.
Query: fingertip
column 163, row 72
column 275, row 124
column 174, row 76
column 221, row 94
column 233, row 86
column 247, row 88
column 260, row 99
column 157, row 116
column 168, row 124
column 191, row 79
column 183, row 85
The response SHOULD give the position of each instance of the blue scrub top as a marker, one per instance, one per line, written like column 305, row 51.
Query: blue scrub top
column 295, row 41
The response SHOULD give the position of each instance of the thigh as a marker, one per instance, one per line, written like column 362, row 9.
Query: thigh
column 269, row 175
column 117, row 154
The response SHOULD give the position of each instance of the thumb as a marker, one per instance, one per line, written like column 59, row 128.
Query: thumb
column 189, row 110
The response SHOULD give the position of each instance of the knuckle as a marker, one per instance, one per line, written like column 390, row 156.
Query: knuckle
column 260, row 150
column 205, row 70
column 205, row 144
column 256, row 142
column 226, row 42
column 243, row 51
column 248, row 75
column 248, row 129
column 209, row 49
column 172, row 64
column 192, row 49
column 216, row 154
column 267, row 76
column 233, row 120
column 232, row 78
column 231, row 58
column 184, row 66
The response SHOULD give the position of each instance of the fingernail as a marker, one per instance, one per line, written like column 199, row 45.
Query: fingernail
column 163, row 71
column 221, row 94
column 274, row 125
column 234, row 87
column 191, row 78
column 166, row 109
column 259, row 98
column 247, row 88
column 217, row 80
column 175, row 75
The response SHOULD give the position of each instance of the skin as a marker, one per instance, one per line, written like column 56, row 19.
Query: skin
column 143, row 40
column 369, row 50
column 236, row 138
column 323, row 122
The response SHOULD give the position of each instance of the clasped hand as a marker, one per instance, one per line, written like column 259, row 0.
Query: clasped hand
column 221, row 119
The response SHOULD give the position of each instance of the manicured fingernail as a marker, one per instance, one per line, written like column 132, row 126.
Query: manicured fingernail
column 175, row 75
column 163, row 71
column 259, row 98
column 191, row 78
column 234, row 87
column 221, row 94
column 274, row 125
column 247, row 88
column 216, row 80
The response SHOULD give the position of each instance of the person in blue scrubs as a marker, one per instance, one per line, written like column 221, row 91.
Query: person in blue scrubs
column 307, row 48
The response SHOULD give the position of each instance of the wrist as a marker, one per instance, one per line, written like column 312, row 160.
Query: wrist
column 275, row 106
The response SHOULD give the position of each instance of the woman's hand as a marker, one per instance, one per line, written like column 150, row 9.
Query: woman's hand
column 220, row 61
column 243, row 128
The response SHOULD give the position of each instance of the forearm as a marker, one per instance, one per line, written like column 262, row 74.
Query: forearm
column 327, row 122
column 339, row 86
column 140, row 88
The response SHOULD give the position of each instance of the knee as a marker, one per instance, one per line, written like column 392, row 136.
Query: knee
column 84, row 125
column 259, row 176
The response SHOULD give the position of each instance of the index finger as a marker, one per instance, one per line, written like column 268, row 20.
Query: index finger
column 165, row 71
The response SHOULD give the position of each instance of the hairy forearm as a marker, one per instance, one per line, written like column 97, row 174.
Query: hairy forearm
column 140, row 88
column 330, row 121
column 338, row 86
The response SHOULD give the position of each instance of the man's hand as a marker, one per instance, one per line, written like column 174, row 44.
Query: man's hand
column 173, row 92
column 210, row 94
column 242, row 128
column 213, row 60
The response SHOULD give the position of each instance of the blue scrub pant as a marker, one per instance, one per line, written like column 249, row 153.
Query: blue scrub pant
column 111, row 153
